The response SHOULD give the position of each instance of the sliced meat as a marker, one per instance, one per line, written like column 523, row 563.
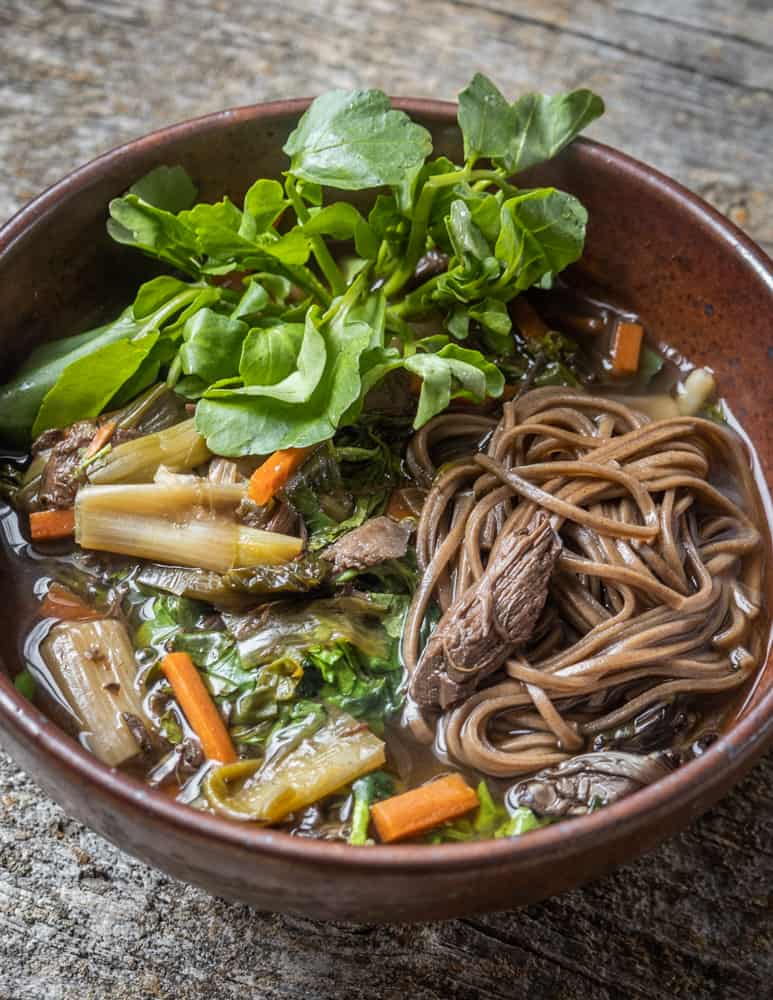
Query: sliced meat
column 583, row 783
column 372, row 543
column 62, row 474
column 489, row 621
column 46, row 440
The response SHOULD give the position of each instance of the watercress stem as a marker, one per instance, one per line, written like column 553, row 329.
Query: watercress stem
column 175, row 371
column 418, row 235
column 318, row 246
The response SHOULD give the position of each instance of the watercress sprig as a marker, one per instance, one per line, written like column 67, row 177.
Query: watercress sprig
column 279, row 334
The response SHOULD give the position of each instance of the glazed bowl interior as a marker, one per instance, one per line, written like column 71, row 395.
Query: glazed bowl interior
column 700, row 285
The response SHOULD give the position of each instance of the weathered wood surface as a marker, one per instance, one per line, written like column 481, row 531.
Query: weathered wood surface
column 689, row 88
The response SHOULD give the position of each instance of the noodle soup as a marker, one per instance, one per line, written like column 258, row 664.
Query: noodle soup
column 405, row 539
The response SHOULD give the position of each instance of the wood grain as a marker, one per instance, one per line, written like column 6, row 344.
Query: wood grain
column 689, row 88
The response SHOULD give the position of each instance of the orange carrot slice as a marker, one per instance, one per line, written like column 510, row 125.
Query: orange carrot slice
column 200, row 711
column 272, row 475
column 49, row 524
column 627, row 348
column 422, row 809
column 100, row 439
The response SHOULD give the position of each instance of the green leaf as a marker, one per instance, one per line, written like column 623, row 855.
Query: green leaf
column 522, row 820
column 270, row 355
column 272, row 685
column 467, row 240
column 222, row 214
column 159, row 233
column 212, row 346
column 169, row 188
column 543, row 231
column 544, row 125
column 453, row 371
column 486, row 120
column 353, row 140
column 86, row 386
column 533, row 129
column 253, row 301
column 458, row 323
column 156, row 293
column 20, row 398
column 495, row 320
column 342, row 221
column 263, row 204
column 257, row 419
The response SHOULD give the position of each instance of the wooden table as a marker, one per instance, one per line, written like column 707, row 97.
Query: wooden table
column 689, row 88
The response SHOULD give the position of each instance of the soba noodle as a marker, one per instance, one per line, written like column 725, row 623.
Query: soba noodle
column 654, row 594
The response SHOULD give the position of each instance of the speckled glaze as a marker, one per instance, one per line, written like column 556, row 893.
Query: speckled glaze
column 700, row 284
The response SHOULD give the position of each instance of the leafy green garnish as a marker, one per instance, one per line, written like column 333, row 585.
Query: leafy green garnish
column 291, row 359
column 533, row 129
column 353, row 140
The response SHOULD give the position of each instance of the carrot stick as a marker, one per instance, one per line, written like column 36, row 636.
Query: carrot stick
column 421, row 809
column 272, row 475
column 626, row 348
column 199, row 709
column 100, row 439
column 528, row 320
column 61, row 603
column 49, row 524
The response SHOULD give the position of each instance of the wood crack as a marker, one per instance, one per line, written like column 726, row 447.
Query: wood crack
column 619, row 47
column 722, row 36
column 546, row 953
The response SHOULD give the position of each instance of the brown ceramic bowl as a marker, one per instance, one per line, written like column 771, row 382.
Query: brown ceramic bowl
column 700, row 284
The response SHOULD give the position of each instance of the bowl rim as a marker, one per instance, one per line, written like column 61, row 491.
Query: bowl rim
column 744, row 740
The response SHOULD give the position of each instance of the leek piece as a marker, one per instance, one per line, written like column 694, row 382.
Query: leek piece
column 178, row 500
column 179, row 448
column 208, row 543
column 697, row 389
column 92, row 664
column 657, row 406
column 336, row 754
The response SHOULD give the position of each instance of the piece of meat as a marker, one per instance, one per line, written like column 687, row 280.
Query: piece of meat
column 62, row 474
column 46, row 440
column 372, row 543
column 489, row 621
column 581, row 784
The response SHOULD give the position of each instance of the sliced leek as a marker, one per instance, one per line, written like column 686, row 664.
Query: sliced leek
column 209, row 543
column 92, row 664
column 179, row 448
column 697, row 389
column 177, row 500
column 337, row 753
column 657, row 406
